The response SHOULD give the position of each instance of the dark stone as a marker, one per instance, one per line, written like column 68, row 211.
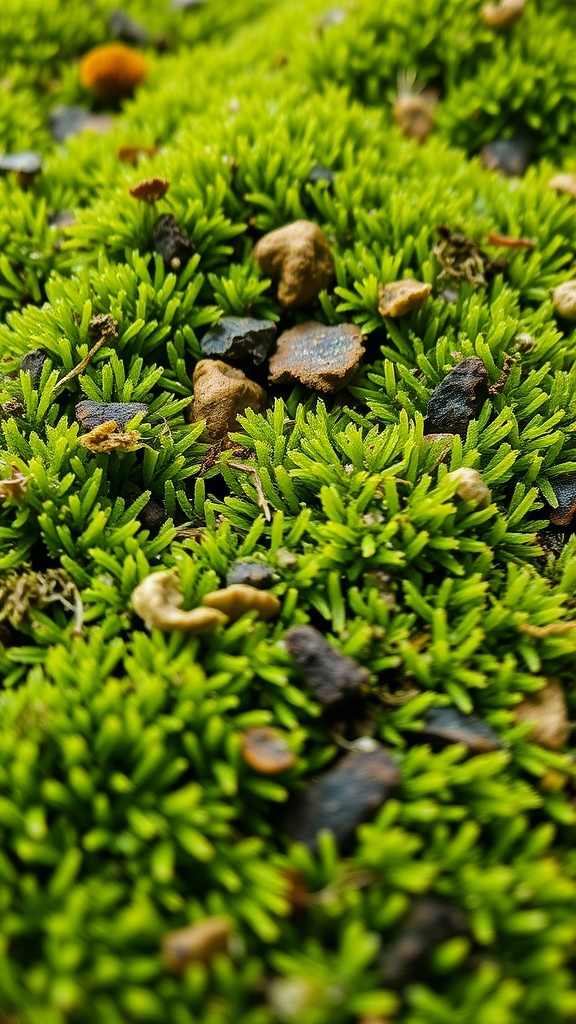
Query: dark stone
column 153, row 516
column 94, row 414
column 564, row 488
column 124, row 28
column 332, row 676
column 253, row 574
column 171, row 243
column 430, row 922
column 320, row 173
column 66, row 122
column 458, row 398
column 27, row 163
column 323, row 358
column 508, row 156
column 239, row 339
column 32, row 363
column 343, row 798
column 443, row 726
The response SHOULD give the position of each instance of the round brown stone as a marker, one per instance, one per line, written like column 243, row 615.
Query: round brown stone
column 300, row 256
column 323, row 358
column 221, row 394
column 266, row 751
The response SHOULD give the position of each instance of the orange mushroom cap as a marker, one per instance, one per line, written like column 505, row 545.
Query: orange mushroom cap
column 113, row 71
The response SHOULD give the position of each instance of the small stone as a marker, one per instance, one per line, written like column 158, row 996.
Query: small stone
column 62, row 219
column 431, row 921
column 400, row 297
column 342, row 798
column 414, row 116
column 94, row 414
column 300, row 256
column 565, row 183
column 28, row 163
column 131, row 154
column 564, row 488
column 240, row 598
column 508, row 156
column 254, row 574
column 153, row 516
column 239, row 339
column 32, row 363
column 124, row 28
column 113, row 71
column 221, row 394
column 158, row 601
column 564, row 298
column 171, row 243
column 321, row 174
column 332, row 676
column 266, row 751
column 443, row 726
column 503, row 14
column 470, row 486
column 65, row 122
column 458, row 398
column 198, row 943
column 547, row 710
column 150, row 189
column 525, row 342
column 323, row 358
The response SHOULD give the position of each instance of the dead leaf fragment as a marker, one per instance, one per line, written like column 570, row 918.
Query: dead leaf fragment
column 157, row 600
column 198, row 943
column 510, row 243
column 14, row 486
column 107, row 438
column 547, row 710
column 240, row 598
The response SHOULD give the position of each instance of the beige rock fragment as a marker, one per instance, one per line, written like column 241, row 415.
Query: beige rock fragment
column 323, row 358
column 198, row 942
column 564, row 298
column 503, row 14
column 300, row 256
column 414, row 115
column 471, row 486
column 158, row 601
column 221, row 394
column 239, row 598
column 547, row 709
column 400, row 297
column 564, row 182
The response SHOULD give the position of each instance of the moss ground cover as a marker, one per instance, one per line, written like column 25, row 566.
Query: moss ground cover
column 129, row 807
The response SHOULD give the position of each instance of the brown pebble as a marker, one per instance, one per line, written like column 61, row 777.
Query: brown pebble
column 414, row 116
column 171, row 243
column 331, row 675
column 157, row 600
column 431, row 921
column 221, row 394
column 458, row 398
column 150, row 189
column 198, row 943
column 470, row 486
column 240, row 598
column 564, row 182
column 343, row 797
column 94, row 414
column 503, row 14
column 265, row 749
column 323, row 358
column 400, row 297
column 564, row 488
column 446, row 725
column 300, row 256
column 564, row 298
column 547, row 709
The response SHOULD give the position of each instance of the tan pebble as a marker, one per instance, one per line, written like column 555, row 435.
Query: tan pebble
column 221, row 394
column 414, row 116
column 400, row 297
column 157, row 600
column 553, row 781
column 547, row 709
column 470, row 486
column 323, row 358
column 300, row 256
column 564, row 183
column 564, row 298
column 240, row 598
column 197, row 943
column 265, row 749
column 503, row 14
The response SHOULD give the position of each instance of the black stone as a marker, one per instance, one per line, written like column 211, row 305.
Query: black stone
column 93, row 414
column 458, row 398
column 121, row 26
column 66, row 122
column 320, row 173
column 153, row 516
column 564, row 488
column 443, row 726
column 254, row 574
column 171, row 243
column 343, row 798
column 32, row 363
column 508, row 156
column 431, row 921
column 239, row 339
column 332, row 676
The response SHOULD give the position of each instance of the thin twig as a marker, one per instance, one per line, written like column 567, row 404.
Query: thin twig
column 108, row 332
column 263, row 503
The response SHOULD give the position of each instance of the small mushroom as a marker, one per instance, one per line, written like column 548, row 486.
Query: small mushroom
column 470, row 486
column 197, row 943
column 503, row 14
column 113, row 71
column 240, row 598
column 547, row 710
column 564, row 298
column 266, row 751
column 158, row 601
column 400, row 297
column 298, row 254
column 221, row 394
column 150, row 190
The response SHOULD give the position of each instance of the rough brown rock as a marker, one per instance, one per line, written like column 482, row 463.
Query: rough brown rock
column 458, row 398
column 414, row 116
column 564, row 298
column 323, row 358
column 221, row 394
column 547, row 709
column 300, row 256
column 400, row 297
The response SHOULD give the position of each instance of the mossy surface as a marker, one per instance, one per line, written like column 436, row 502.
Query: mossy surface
column 126, row 807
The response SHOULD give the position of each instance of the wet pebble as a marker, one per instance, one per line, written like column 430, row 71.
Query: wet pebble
column 508, row 156
column 171, row 243
column 332, row 676
column 197, row 943
column 443, row 726
column 564, row 298
column 458, row 398
column 32, row 363
column 342, row 798
column 430, row 922
column 94, row 414
column 323, row 358
column 564, row 488
column 66, row 122
column 239, row 598
column 221, row 394
column 254, row 574
column 239, row 339
column 122, row 27
column 548, row 711
column 266, row 751
column 400, row 297
column 299, row 255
